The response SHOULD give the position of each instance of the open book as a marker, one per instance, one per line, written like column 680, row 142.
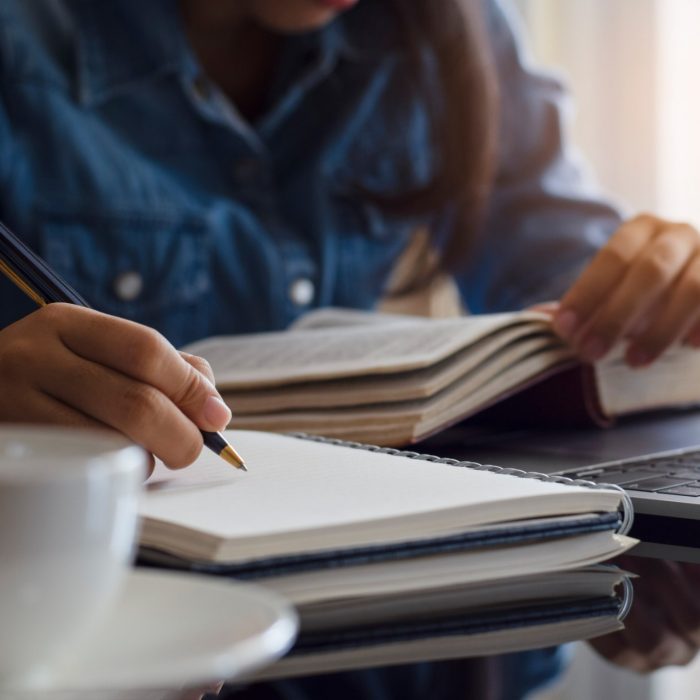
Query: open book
column 394, row 380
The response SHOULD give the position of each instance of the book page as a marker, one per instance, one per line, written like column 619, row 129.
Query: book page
column 393, row 387
column 283, row 357
column 398, row 423
column 672, row 380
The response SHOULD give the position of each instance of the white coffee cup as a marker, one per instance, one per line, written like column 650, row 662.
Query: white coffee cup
column 68, row 520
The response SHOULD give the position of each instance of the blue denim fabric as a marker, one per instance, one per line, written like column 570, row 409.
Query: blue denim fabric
column 118, row 156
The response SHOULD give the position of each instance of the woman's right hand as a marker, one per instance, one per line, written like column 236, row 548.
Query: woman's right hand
column 75, row 366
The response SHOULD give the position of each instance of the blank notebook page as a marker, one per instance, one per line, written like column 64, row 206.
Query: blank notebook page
column 300, row 495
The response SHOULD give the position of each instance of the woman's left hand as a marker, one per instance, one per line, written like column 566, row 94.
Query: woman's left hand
column 644, row 285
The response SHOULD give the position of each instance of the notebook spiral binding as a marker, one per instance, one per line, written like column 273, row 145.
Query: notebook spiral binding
column 626, row 507
column 627, row 597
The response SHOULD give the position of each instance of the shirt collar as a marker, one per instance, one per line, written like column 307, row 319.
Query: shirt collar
column 306, row 59
column 121, row 42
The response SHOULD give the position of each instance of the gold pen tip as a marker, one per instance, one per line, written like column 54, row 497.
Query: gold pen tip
column 232, row 457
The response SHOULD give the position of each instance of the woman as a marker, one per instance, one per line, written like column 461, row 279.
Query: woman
column 222, row 166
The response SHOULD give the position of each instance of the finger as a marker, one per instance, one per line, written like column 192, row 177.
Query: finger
column 602, row 275
column 691, row 573
column 38, row 407
column 145, row 355
column 615, row 647
column 679, row 315
column 650, row 627
column 693, row 336
column 676, row 598
column 138, row 410
column 619, row 649
column 651, row 274
column 200, row 364
column 649, row 642
column 642, row 323
column 546, row 307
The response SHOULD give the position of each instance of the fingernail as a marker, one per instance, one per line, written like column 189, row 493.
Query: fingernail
column 565, row 323
column 594, row 349
column 637, row 357
column 216, row 413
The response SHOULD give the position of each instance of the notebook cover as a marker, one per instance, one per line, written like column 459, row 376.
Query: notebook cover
column 521, row 533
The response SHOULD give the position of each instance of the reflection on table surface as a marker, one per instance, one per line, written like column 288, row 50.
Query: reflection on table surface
column 663, row 625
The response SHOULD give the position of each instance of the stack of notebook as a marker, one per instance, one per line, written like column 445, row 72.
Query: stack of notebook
column 393, row 556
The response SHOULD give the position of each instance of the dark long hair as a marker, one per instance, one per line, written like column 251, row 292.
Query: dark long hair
column 465, row 122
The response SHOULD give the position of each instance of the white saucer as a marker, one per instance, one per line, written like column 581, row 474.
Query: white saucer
column 171, row 629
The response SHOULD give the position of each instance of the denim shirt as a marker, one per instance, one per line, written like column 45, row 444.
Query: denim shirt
column 142, row 185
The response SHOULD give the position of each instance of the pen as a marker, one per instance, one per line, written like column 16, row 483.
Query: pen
column 43, row 286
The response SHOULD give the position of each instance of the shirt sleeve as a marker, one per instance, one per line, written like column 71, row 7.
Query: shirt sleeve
column 545, row 218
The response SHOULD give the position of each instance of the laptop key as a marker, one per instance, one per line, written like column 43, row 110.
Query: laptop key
column 621, row 478
column 684, row 474
column 656, row 484
column 687, row 490
column 689, row 461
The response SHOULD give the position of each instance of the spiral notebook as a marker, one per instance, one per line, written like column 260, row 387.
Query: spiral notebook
column 321, row 519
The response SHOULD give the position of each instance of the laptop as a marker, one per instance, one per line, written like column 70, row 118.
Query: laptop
column 655, row 458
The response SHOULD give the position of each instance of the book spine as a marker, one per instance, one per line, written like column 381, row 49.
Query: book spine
column 626, row 507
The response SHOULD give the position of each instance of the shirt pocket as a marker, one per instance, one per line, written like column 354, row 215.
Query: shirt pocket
column 358, row 211
column 355, row 215
column 150, row 269
column 358, row 184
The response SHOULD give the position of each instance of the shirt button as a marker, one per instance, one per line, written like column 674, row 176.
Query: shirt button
column 128, row 286
column 301, row 291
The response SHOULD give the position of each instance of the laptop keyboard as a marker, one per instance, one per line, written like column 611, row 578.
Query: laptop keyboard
column 677, row 474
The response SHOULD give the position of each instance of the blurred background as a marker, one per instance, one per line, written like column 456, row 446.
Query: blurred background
column 631, row 66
